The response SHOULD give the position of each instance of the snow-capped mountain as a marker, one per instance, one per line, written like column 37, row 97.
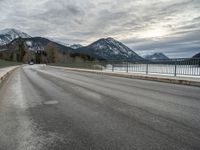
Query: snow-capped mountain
column 109, row 49
column 8, row 35
column 76, row 46
column 156, row 56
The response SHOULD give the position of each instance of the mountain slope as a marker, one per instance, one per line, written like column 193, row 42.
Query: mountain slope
column 156, row 56
column 8, row 35
column 109, row 49
column 196, row 56
column 35, row 44
column 40, row 43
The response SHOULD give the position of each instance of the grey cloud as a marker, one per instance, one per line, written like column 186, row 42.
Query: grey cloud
column 84, row 21
column 183, row 46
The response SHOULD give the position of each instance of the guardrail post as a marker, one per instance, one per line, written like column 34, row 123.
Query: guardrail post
column 112, row 67
column 147, row 68
column 127, row 67
column 175, row 70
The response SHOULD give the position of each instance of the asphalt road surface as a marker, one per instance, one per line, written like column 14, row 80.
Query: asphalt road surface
column 43, row 108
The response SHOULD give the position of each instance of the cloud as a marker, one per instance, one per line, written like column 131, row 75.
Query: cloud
column 170, row 26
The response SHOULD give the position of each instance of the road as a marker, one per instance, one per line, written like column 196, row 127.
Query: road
column 44, row 108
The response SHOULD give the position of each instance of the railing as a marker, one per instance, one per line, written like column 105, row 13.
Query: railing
column 189, row 67
column 173, row 67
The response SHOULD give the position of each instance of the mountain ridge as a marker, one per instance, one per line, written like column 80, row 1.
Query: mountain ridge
column 156, row 56
column 102, row 49
column 196, row 55
column 109, row 49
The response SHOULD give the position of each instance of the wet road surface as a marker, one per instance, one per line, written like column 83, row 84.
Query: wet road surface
column 43, row 108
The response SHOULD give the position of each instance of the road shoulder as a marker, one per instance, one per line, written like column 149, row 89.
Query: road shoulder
column 5, row 72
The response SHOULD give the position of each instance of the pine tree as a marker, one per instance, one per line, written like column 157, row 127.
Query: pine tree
column 21, row 50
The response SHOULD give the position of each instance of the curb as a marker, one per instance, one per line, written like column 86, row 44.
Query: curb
column 135, row 76
column 2, row 78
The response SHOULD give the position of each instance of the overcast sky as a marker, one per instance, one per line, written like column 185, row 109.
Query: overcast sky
column 146, row 26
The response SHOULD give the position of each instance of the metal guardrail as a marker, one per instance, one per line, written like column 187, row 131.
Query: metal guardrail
column 189, row 67
column 174, row 67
